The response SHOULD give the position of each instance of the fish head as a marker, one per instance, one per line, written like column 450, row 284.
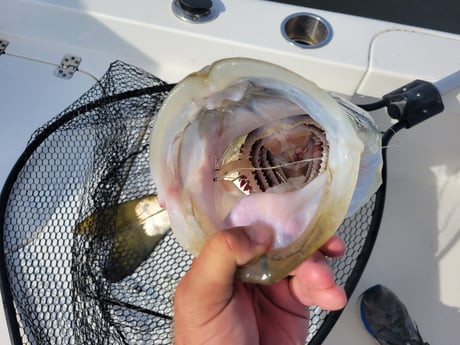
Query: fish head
column 244, row 142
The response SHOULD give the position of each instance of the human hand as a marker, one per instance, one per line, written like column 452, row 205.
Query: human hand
column 210, row 307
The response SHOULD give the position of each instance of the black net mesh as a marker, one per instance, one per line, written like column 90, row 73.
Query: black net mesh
column 63, row 277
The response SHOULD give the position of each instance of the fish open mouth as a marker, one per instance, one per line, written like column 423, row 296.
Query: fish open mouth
column 244, row 142
column 279, row 157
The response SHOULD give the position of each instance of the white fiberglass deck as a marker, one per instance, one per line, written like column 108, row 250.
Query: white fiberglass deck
column 418, row 249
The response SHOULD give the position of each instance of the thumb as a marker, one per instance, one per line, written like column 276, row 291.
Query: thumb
column 210, row 281
column 231, row 248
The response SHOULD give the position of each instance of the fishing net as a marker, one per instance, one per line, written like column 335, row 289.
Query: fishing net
column 60, row 280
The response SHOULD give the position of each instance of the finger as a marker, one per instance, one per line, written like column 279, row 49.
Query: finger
column 314, row 284
column 315, row 272
column 229, row 249
column 210, row 281
column 333, row 298
column 334, row 247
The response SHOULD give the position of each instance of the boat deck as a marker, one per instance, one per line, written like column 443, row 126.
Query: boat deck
column 418, row 248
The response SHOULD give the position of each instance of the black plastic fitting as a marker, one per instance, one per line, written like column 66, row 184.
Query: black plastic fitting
column 414, row 102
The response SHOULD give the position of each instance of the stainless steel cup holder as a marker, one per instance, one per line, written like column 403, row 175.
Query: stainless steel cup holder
column 306, row 30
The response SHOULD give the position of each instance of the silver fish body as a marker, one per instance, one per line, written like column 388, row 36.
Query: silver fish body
column 135, row 228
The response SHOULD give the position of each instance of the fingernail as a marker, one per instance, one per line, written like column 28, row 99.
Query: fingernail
column 260, row 234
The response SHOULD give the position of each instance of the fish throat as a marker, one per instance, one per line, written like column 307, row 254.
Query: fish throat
column 282, row 156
